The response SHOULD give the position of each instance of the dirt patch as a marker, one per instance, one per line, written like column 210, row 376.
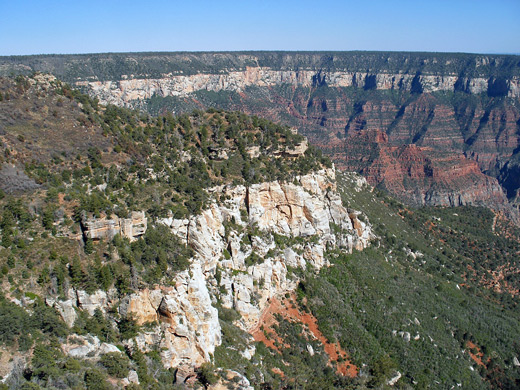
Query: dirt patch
column 288, row 309
column 277, row 371
column 263, row 331
column 476, row 357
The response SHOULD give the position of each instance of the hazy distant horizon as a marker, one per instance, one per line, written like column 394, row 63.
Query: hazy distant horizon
column 255, row 51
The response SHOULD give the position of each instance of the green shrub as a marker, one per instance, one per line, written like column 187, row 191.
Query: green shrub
column 96, row 380
column 116, row 364
column 206, row 374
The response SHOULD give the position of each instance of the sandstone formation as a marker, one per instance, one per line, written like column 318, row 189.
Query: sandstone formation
column 250, row 237
column 464, row 105
column 66, row 309
column 308, row 207
column 429, row 162
column 475, row 139
column 231, row 380
column 461, row 104
column 188, row 329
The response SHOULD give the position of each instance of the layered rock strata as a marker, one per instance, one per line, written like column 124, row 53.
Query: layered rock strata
column 332, row 107
column 463, row 104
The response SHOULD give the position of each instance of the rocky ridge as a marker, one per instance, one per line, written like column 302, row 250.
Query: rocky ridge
column 333, row 106
column 245, row 244
column 100, row 290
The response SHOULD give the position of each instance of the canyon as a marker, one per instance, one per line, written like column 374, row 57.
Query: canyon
column 223, row 250
column 430, row 128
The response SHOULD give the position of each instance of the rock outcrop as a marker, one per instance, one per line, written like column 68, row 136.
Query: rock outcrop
column 367, row 134
column 244, row 243
column 462, row 104
column 106, row 228
column 87, row 347
column 129, row 90
column 187, row 329
column 66, row 309
column 242, row 233
column 430, row 163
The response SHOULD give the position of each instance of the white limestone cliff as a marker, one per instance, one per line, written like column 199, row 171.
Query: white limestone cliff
column 128, row 90
column 253, row 266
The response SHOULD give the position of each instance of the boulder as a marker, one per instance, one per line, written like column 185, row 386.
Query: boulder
column 67, row 311
column 87, row 347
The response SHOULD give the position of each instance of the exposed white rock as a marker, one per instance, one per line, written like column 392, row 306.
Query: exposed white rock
column 308, row 206
column 132, row 227
column 236, row 236
column 189, row 329
column 233, row 380
column 314, row 254
column 394, row 379
column 90, row 302
column 292, row 259
column 66, row 309
column 405, row 335
column 107, row 348
column 130, row 90
column 249, row 352
column 87, row 347
column 133, row 377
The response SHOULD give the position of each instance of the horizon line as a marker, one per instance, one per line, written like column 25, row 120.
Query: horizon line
column 258, row 51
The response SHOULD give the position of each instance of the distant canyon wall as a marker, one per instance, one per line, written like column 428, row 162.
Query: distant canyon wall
column 462, row 146
column 127, row 91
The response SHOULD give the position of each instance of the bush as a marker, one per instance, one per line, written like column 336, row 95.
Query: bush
column 96, row 380
column 206, row 374
column 30, row 386
column 116, row 364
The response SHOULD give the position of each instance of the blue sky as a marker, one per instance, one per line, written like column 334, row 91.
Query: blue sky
column 76, row 26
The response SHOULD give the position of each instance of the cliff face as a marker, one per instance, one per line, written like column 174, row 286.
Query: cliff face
column 239, row 234
column 106, row 228
column 244, row 244
column 424, row 157
column 129, row 90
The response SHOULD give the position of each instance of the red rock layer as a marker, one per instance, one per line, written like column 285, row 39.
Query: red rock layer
column 424, row 148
